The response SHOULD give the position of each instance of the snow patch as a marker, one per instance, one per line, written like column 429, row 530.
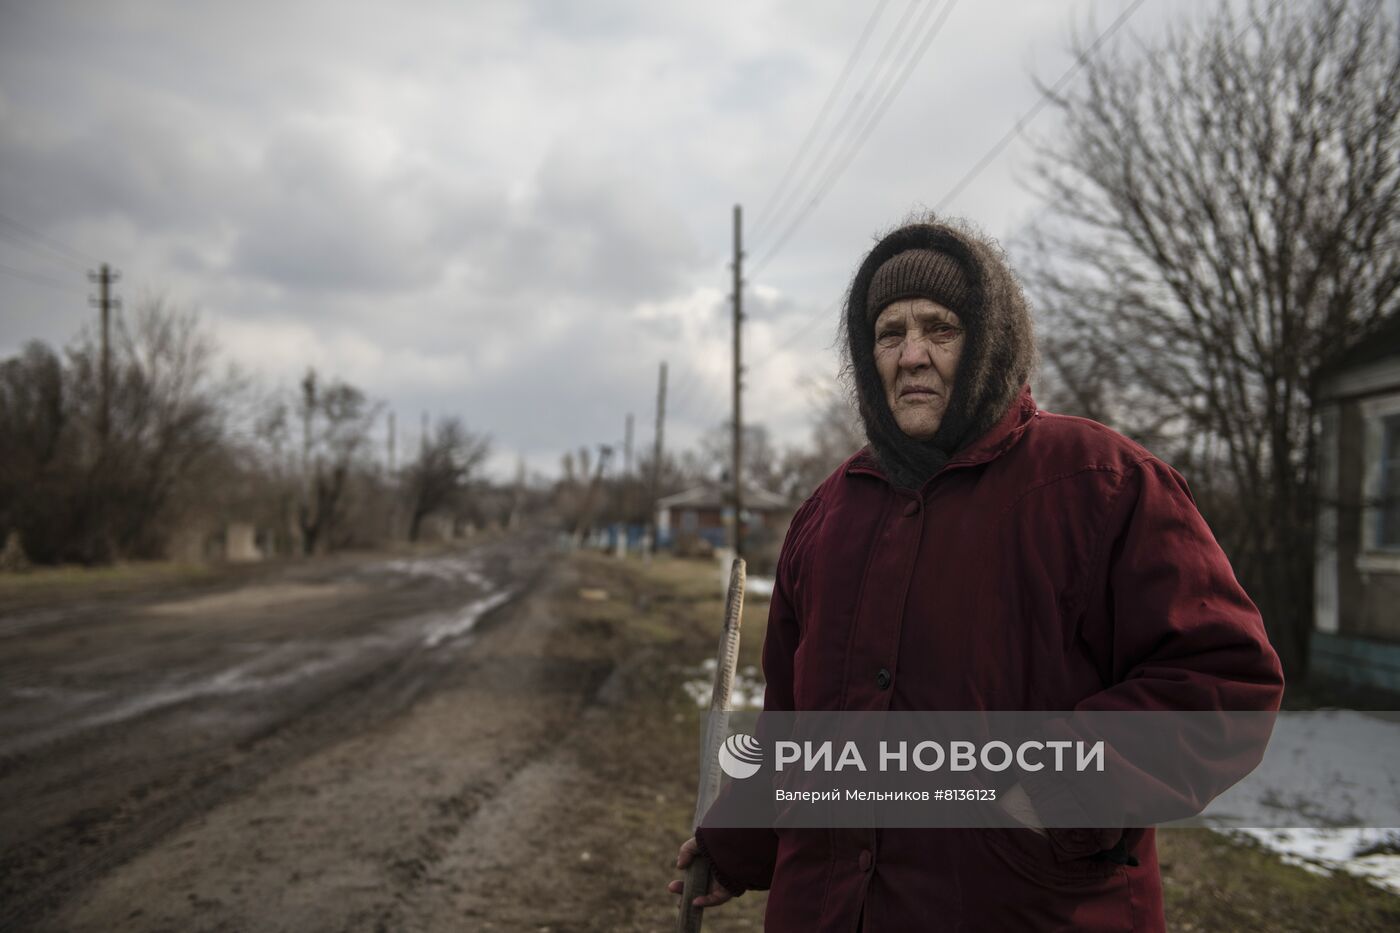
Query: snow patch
column 447, row 569
column 747, row 692
column 1320, row 798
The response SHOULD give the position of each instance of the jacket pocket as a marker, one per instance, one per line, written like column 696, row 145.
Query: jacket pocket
column 1032, row 856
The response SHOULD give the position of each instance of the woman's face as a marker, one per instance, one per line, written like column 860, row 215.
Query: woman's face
column 918, row 343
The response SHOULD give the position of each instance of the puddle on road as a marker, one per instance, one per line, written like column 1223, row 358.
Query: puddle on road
column 277, row 667
column 447, row 569
column 258, row 597
column 266, row 667
column 465, row 619
column 746, row 694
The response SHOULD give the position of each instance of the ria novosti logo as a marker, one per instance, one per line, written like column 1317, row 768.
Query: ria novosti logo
column 740, row 756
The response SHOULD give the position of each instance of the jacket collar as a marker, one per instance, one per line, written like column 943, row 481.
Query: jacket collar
column 989, row 446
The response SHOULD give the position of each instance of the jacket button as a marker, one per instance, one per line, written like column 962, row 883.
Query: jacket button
column 912, row 509
column 866, row 860
column 883, row 679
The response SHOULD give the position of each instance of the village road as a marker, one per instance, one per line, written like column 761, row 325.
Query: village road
column 129, row 726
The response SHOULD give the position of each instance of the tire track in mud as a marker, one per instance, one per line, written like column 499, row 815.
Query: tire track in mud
column 510, row 825
column 455, row 814
column 360, row 698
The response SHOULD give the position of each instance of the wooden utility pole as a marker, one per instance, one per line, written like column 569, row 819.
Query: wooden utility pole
column 105, row 278
column 308, row 410
column 392, row 480
column 737, row 471
column 391, row 443
column 655, row 485
column 310, row 493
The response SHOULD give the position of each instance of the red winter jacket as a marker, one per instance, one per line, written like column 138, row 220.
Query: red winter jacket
column 1051, row 565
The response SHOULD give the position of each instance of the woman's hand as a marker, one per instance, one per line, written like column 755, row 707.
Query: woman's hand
column 718, row 893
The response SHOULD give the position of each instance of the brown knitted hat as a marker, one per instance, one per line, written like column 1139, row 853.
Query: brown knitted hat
column 918, row 273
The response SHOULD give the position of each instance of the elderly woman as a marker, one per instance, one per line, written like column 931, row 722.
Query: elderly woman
column 982, row 554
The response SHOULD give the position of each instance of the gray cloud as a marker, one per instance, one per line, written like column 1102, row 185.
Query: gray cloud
column 308, row 220
column 588, row 230
column 509, row 210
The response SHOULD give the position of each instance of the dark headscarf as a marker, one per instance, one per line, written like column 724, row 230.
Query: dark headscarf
column 998, row 347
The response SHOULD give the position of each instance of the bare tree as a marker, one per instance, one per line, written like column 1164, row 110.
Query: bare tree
column 671, row 479
column 336, row 422
column 167, row 419
column 446, row 463
column 267, row 461
column 1223, row 212
column 761, row 466
column 836, row 434
column 34, row 473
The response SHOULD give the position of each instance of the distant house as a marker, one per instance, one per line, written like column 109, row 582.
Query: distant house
column 1356, row 635
column 705, row 512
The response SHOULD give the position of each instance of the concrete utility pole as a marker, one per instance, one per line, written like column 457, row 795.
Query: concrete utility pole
column 627, row 448
column 737, row 471
column 105, row 278
column 519, row 495
column 626, row 489
column 655, row 484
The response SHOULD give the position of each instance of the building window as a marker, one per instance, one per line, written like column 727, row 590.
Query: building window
column 1387, row 488
column 1380, row 485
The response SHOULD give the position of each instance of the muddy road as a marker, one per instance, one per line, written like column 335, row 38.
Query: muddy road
column 499, row 738
column 285, row 749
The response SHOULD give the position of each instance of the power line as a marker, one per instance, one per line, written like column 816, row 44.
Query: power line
column 837, row 136
column 826, row 312
column 1039, row 105
column 32, row 278
column 685, row 386
column 707, row 412
column 41, row 253
column 1045, row 209
column 857, row 141
column 82, row 259
column 765, row 213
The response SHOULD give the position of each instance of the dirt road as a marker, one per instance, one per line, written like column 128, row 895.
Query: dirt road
column 498, row 738
column 286, row 751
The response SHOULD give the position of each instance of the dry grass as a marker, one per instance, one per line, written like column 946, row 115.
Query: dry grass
column 48, row 586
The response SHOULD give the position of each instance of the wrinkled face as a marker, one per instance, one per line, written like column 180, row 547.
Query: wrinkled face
column 918, row 343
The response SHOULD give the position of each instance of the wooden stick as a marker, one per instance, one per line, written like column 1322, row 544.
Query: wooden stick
column 697, row 875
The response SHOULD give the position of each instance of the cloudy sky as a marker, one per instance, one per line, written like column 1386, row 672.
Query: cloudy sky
column 509, row 211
